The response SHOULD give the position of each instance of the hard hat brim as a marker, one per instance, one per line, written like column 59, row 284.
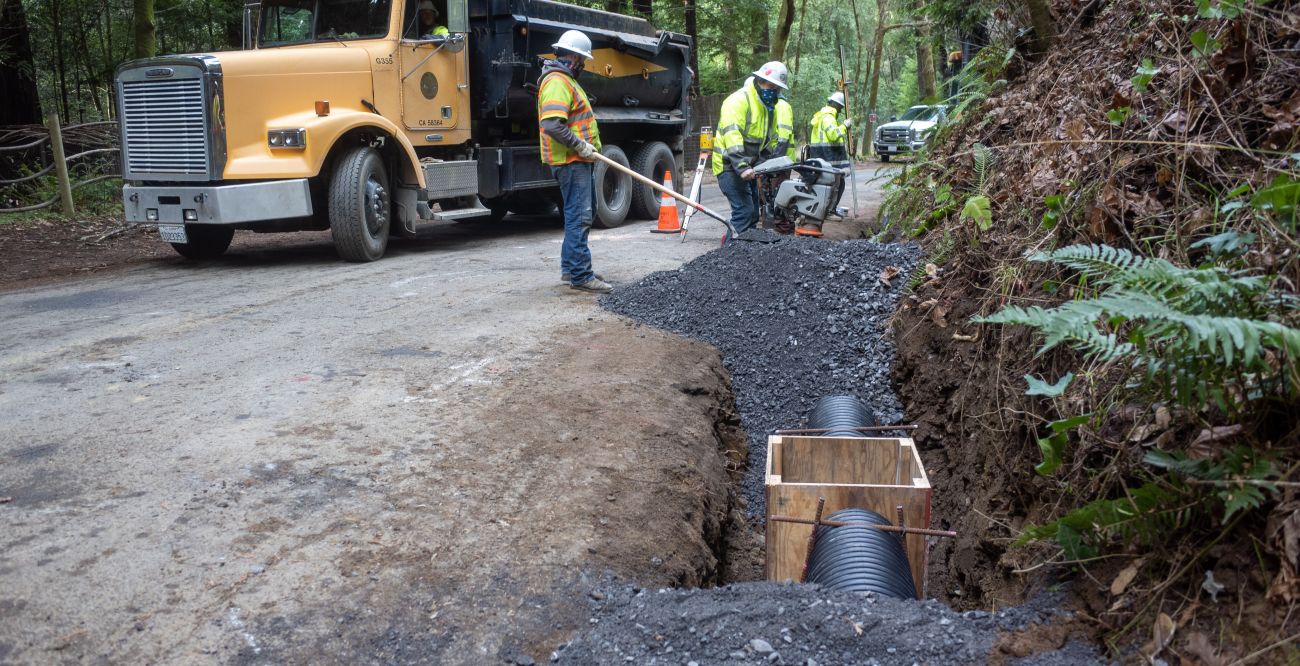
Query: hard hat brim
column 778, row 84
column 561, row 47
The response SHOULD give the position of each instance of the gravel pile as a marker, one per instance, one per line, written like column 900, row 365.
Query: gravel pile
column 761, row 623
column 795, row 319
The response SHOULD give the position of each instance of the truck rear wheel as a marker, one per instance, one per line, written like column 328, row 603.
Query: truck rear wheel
column 207, row 241
column 360, row 205
column 613, row 190
column 652, row 160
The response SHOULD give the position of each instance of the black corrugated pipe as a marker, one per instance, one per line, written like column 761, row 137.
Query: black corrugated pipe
column 841, row 411
column 861, row 559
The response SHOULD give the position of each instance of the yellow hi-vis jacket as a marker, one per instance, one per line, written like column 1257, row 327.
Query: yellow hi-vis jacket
column 784, row 129
column 825, row 130
column 559, row 96
column 747, row 130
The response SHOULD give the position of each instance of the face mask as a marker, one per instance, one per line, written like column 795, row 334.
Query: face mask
column 575, row 66
column 768, row 96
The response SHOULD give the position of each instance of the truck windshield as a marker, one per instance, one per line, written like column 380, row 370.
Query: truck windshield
column 921, row 113
column 285, row 22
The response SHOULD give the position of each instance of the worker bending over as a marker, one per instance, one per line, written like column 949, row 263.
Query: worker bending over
column 747, row 135
column 570, row 139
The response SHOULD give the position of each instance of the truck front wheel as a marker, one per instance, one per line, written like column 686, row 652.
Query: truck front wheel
column 613, row 190
column 360, row 205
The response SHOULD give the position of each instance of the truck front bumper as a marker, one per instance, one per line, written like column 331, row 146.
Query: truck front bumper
column 217, row 204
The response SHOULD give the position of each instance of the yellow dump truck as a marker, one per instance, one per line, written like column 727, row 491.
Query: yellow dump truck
column 360, row 117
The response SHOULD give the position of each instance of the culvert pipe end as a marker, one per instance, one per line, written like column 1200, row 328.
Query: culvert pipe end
column 838, row 414
column 861, row 559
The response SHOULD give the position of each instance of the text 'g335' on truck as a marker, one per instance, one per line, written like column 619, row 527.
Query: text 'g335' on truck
column 361, row 117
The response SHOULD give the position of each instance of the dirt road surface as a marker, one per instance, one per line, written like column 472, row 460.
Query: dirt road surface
column 277, row 457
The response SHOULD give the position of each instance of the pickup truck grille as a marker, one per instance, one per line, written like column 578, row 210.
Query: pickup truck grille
column 890, row 135
column 163, row 127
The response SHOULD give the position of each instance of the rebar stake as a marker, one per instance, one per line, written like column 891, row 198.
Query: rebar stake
column 902, row 528
column 812, row 539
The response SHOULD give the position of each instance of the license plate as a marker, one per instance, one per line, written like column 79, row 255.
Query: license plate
column 173, row 233
column 893, row 148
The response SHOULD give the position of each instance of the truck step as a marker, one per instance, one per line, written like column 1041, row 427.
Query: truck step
column 462, row 213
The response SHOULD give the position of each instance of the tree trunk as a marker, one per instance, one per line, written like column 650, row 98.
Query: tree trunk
column 784, row 22
column 22, row 104
column 798, row 44
column 925, row 64
column 144, row 29
column 616, row 6
column 60, row 62
column 1042, row 20
column 764, row 43
column 692, row 30
column 644, row 7
column 877, row 51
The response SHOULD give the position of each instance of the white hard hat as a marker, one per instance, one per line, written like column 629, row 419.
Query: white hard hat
column 774, row 72
column 576, row 42
column 836, row 98
column 427, row 5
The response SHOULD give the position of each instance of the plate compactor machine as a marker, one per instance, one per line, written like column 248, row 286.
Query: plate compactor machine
column 807, row 198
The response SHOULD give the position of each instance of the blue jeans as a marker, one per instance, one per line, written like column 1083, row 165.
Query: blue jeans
column 578, row 190
column 743, row 196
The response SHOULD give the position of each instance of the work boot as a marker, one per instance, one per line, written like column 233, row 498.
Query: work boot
column 564, row 277
column 595, row 286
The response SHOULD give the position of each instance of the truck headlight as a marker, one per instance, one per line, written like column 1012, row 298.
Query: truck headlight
column 293, row 139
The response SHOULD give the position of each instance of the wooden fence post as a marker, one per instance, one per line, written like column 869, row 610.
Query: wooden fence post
column 60, row 164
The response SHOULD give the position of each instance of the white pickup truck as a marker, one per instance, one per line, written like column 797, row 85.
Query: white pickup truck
column 901, row 136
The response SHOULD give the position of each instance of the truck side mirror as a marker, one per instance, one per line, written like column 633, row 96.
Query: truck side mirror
column 893, row 118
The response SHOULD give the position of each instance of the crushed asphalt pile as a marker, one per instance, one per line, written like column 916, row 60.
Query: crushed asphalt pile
column 802, row 624
column 796, row 319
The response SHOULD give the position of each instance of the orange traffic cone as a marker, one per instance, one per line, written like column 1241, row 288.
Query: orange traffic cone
column 668, row 222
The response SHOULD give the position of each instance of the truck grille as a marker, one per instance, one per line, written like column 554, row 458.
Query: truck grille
column 163, row 127
column 890, row 135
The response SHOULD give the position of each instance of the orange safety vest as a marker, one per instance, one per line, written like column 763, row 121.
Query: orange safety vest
column 560, row 96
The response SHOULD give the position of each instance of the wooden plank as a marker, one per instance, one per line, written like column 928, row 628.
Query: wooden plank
column 852, row 460
column 837, row 468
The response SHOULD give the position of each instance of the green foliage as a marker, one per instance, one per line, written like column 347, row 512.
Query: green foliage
column 1229, row 9
column 1040, row 387
column 1119, row 116
column 1149, row 513
column 1055, row 205
column 1203, row 46
column 1194, row 334
column 977, row 208
column 1240, row 463
column 1145, row 72
column 1053, row 446
column 1279, row 199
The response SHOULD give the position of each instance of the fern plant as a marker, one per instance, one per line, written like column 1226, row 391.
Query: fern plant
column 1192, row 335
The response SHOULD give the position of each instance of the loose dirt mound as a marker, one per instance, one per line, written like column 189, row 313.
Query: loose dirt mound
column 796, row 319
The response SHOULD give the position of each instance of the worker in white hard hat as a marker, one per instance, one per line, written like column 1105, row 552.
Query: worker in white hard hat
column 827, row 143
column 426, row 26
column 747, row 135
column 570, row 139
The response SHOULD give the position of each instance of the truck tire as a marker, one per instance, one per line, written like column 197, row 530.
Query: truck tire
column 207, row 241
column 613, row 191
column 361, row 208
column 652, row 160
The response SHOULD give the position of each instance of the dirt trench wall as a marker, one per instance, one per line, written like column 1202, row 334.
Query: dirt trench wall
column 980, row 462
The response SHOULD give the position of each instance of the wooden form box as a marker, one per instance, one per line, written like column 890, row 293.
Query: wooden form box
column 879, row 474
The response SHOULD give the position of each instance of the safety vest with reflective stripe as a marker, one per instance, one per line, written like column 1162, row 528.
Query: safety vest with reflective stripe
column 744, row 128
column 561, row 97
column 785, row 128
column 825, row 131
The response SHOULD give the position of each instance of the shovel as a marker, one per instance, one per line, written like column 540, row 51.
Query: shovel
column 665, row 190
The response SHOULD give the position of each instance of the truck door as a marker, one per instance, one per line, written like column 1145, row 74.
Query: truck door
column 432, row 62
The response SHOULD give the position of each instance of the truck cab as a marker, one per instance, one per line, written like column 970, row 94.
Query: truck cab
column 358, row 117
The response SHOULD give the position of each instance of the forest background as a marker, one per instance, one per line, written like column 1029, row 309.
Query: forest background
column 60, row 55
